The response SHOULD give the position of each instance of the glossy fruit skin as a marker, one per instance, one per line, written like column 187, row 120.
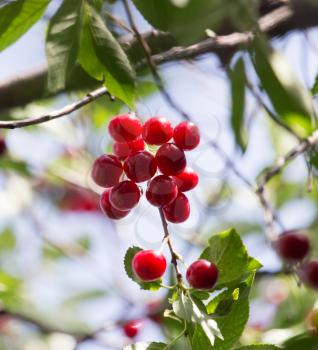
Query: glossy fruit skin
column 140, row 166
column 108, row 209
column 149, row 265
column 3, row 146
column 79, row 200
column 178, row 210
column 202, row 274
column 186, row 135
column 123, row 149
column 157, row 131
column 107, row 170
column 131, row 328
column 309, row 273
column 171, row 159
column 125, row 195
column 125, row 128
column 292, row 246
column 161, row 190
column 187, row 180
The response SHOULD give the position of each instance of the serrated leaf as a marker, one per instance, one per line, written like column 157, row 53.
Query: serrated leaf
column 146, row 346
column 62, row 43
column 17, row 17
column 104, row 59
column 259, row 347
column 237, row 76
column 131, row 252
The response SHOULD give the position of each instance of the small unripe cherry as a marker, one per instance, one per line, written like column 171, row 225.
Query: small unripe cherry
column 107, row 170
column 178, row 210
column 125, row 128
column 187, row 180
column 123, row 149
column 157, row 130
column 202, row 274
column 161, row 190
column 149, row 265
column 309, row 273
column 140, row 166
column 131, row 328
column 292, row 246
column 171, row 159
column 186, row 135
column 108, row 209
column 125, row 195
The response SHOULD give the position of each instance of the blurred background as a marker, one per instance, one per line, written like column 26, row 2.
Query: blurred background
column 62, row 259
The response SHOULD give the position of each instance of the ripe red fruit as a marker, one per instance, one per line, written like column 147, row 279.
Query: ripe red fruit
column 123, row 149
column 292, row 246
column 107, row 170
column 140, row 166
column 125, row 195
column 131, row 328
column 179, row 210
column 157, row 130
column 187, row 180
column 3, row 146
column 202, row 274
column 309, row 273
column 171, row 159
column 77, row 199
column 108, row 209
column 125, row 128
column 186, row 135
column 161, row 190
column 149, row 265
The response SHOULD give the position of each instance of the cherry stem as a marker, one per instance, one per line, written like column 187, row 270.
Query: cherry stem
column 174, row 255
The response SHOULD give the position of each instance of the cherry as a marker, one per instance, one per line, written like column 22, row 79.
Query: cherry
column 202, row 274
column 108, row 209
column 125, row 128
column 186, row 135
column 125, row 195
column 171, row 159
column 157, row 130
column 3, row 146
column 131, row 328
column 179, row 210
column 292, row 245
column 123, row 149
column 140, row 166
column 161, row 190
column 107, row 170
column 309, row 273
column 76, row 199
column 149, row 265
column 187, row 180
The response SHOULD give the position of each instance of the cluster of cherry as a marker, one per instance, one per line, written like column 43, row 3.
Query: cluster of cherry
column 134, row 160
column 294, row 248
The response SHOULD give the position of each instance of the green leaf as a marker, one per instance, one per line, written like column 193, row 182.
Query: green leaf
column 17, row 17
column 84, row 296
column 131, row 252
column 289, row 97
column 7, row 240
column 304, row 341
column 237, row 76
column 62, row 43
column 104, row 59
column 259, row 347
column 15, row 165
column 146, row 346
column 314, row 89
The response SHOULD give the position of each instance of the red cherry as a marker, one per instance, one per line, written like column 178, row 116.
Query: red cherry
column 157, row 130
column 107, row 170
column 309, row 273
column 202, row 274
column 292, row 245
column 171, row 159
column 125, row 128
column 179, row 210
column 3, row 146
column 123, row 149
column 108, row 209
column 125, row 195
column 161, row 190
column 186, row 135
column 76, row 199
column 140, row 166
column 187, row 180
column 149, row 265
column 131, row 328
